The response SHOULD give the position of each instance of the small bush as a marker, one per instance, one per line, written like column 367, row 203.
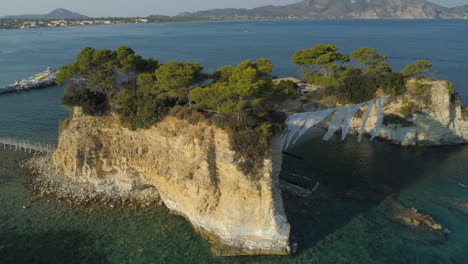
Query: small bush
column 286, row 89
column 140, row 111
column 408, row 108
column 251, row 148
column 393, row 84
column 419, row 88
column 357, row 87
column 451, row 88
column 320, row 79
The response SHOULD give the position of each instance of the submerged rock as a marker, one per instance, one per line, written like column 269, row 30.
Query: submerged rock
column 457, row 203
column 423, row 226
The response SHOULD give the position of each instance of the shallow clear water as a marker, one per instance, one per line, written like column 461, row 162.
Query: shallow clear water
column 346, row 221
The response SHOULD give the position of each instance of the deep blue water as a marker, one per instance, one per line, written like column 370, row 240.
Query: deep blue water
column 346, row 221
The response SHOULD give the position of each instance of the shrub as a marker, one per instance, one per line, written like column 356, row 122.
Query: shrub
column 408, row 108
column 251, row 148
column 419, row 88
column 393, row 84
column 92, row 102
column 286, row 89
column 451, row 88
column 318, row 78
column 140, row 111
column 357, row 87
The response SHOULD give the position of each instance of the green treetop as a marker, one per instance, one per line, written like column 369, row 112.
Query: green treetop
column 101, row 67
column 173, row 79
column 420, row 67
column 372, row 61
column 236, row 89
column 324, row 57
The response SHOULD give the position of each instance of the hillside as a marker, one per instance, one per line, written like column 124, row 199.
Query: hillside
column 59, row 13
column 341, row 9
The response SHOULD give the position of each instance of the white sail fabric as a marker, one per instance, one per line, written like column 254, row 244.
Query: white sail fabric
column 298, row 124
column 370, row 105
column 313, row 119
column 336, row 121
column 294, row 123
column 380, row 115
column 347, row 120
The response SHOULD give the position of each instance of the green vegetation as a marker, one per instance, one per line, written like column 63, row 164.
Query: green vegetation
column 417, row 69
column 324, row 58
column 138, row 110
column 353, row 80
column 371, row 61
column 286, row 89
column 106, row 70
column 408, row 108
column 91, row 101
column 451, row 87
column 418, row 88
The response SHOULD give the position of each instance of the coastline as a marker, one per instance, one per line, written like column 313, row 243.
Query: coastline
column 248, row 20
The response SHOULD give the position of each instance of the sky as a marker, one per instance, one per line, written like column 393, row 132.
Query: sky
column 105, row 8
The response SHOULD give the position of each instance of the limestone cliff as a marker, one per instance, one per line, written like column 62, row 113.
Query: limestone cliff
column 429, row 113
column 193, row 169
column 436, row 117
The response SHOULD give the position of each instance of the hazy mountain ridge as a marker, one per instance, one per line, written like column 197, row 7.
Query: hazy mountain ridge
column 342, row 9
column 59, row 13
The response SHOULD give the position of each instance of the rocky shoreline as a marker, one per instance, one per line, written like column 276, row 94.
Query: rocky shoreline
column 47, row 181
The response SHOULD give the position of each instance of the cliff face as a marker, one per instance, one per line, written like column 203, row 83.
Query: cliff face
column 192, row 167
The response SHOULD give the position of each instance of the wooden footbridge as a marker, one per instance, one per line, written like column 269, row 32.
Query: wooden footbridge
column 26, row 146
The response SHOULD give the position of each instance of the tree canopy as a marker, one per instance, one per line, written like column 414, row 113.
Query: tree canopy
column 351, row 82
column 325, row 57
column 372, row 62
column 420, row 67
column 236, row 89
column 105, row 70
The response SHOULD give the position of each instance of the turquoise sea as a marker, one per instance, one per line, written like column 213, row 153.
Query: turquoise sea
column 348, row 219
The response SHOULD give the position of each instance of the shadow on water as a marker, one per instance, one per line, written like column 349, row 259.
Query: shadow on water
column 49, row 247
column 354, row 178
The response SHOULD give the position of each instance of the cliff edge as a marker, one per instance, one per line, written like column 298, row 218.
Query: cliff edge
column 193, row 169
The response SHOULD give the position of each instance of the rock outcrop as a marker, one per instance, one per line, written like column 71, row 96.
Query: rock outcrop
column 193, row 169
column 436, row 117
column 429, row 115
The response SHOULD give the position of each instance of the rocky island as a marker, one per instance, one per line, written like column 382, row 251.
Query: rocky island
column 207, row 145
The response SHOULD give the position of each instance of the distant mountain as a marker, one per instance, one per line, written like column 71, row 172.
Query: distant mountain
column 59, row 13
column 340, row 9
column 160, row 16
column 461, row 11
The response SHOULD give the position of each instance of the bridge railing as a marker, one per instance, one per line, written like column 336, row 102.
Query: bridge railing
column 26, row 145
